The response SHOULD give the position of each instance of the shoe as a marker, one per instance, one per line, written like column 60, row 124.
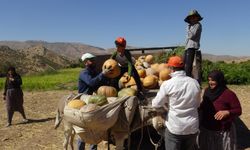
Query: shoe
column 25, row 121
column 8, row 124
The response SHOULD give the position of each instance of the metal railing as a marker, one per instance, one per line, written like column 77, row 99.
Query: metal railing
column 152, row 48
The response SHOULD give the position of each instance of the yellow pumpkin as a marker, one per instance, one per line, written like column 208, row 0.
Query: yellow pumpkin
column 107, row 91
column 155, row 66
column 164, row 74
column 127, row 81
column 141, row 73
column 76, row 104
column 138, row 63
column 150, row 81
column 112, row 65
column 149, row 59
column 151, row 71
column 141, row 58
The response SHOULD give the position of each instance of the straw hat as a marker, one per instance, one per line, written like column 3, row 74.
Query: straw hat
column 193, row 13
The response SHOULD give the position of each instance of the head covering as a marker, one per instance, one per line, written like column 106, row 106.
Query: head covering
column 213, row 94
column 87, row 56
column 11, row 68
column 175, row 61
column 121, row 41
column 193, row 13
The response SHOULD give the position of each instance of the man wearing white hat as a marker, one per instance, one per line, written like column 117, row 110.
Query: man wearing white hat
column 88, row 82
column 89, row 79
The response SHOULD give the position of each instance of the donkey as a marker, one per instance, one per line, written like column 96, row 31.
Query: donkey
column 132, row 116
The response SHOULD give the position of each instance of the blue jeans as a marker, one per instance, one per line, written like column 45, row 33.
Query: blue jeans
column 81, row 145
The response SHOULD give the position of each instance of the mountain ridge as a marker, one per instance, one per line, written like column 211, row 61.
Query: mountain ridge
column 38, row 56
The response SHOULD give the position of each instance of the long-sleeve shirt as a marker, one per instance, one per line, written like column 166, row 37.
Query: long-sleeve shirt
column 15, row 84
column 193, row 36
column 89, row 81
column 182, row 95
column 226, row 101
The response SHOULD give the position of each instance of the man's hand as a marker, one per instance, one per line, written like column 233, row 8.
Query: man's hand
column 106, row 71
column 221, row 114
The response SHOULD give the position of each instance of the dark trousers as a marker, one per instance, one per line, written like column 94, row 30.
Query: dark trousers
column 14, row 102
column 10, row 114
column 180, row 142
column 189, row 56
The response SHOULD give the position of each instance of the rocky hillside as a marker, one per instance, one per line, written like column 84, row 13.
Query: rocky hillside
column 70, row 50
column 31, row 60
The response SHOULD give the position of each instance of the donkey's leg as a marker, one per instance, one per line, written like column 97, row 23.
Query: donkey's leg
column 67, row 134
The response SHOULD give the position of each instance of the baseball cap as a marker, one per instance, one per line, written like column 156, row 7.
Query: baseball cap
column 87, row 56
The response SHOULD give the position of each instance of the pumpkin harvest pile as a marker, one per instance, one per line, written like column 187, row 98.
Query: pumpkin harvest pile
column 152, row 74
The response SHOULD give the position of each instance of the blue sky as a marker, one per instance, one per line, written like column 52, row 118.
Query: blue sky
column 144, row 23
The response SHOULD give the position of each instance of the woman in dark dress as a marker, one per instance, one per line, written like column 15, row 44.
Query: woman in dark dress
column 219, row 108
column 13, row 95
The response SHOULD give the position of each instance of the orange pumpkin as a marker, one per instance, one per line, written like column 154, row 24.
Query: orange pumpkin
column 150, row 81
column 155, row 66
column 164, row 74
column 107, row 91
column 112, row 65
column 162, row 66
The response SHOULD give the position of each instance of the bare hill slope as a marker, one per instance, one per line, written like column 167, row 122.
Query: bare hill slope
column 31, row 60
column 70, row 50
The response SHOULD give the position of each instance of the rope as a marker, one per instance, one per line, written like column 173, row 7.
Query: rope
column 156, row 145
column 138, row 148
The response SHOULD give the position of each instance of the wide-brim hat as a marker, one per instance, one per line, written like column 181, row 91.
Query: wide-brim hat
column 193, row 13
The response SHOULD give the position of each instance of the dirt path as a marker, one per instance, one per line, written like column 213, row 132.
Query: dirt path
column 40, row 134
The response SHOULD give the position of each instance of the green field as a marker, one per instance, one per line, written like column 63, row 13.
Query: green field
column 59, row 80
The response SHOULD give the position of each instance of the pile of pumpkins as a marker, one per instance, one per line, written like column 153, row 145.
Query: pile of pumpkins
column 151, row 75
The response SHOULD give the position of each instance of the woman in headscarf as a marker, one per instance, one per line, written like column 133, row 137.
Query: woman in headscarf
column 219, row 108
column 13, row 95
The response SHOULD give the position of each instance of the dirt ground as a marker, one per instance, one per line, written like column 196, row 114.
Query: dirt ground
column 39, row 132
